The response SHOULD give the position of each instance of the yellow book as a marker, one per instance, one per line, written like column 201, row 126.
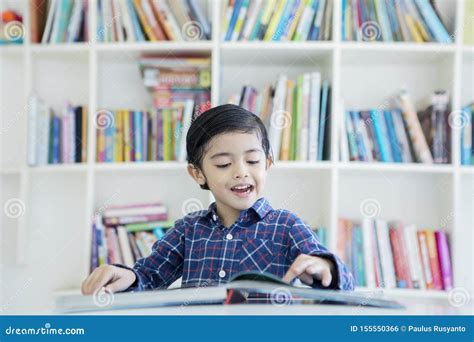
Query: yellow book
column 144, row 22
column 422, row 31
column 100, row 142
column 166, row 135
column 118, row 141
column 295, row 21
column 413, row 29
column 275, row 21
column 286, row 134
column 127, row 149
column 469, row 22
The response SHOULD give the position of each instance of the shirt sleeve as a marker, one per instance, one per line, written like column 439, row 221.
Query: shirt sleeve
column 304, row 241
column 164, row 265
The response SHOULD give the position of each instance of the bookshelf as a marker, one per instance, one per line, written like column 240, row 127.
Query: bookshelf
column 60, row 200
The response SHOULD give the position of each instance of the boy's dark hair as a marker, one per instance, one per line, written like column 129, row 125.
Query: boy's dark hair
column 221, row 119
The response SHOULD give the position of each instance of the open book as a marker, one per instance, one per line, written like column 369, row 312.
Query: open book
column 247, row 287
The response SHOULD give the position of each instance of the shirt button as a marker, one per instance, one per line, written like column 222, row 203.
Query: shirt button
column 229, row 237
column 222, row 273
column 214, row 217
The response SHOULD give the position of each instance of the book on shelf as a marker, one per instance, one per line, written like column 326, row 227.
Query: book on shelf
column 123, row 234
column 56, row 137
column 391, row 254
column 59, row 21
column 243, row 288
column 12, row 29
column 397, row 135
column 296, row 113
column 467, row 132
column 151, row 20
column 468, row 22
column 392, row 21
column 278, row 20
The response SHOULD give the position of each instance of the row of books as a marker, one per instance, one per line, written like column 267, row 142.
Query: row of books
column 399, row 135
column 123, row 234
column 174, row 80
column 12, row 30
column 467, row 132
column 59, row 21
column 151, row 20
column 401, row 20
column 135, row 136
column 390, row 254
column 278, row 20
column 55, row 138
column 296, row 114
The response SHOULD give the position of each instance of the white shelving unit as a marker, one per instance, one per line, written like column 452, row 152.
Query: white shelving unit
column 48, row 247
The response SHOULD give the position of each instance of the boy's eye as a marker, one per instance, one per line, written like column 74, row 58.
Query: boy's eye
column 253, row 161
column 223, row 165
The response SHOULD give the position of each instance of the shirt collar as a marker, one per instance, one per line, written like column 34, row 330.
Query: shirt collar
column 261, row 208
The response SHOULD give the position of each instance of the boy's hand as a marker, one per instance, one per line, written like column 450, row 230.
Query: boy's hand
column 114, row 279
column 306, row 267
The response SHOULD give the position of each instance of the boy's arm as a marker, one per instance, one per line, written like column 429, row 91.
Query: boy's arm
column 304, row 241
column 164, row 265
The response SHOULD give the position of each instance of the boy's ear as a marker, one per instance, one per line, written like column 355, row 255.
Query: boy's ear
column 196, row 174
column 269, row 162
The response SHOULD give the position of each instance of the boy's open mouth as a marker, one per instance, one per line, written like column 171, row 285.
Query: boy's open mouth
column 242, row 189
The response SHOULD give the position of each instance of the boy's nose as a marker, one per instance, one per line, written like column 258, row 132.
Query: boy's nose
column 240, row 172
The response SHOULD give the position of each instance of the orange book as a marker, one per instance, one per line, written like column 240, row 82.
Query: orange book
column 434, row 263
column 161, row 16
column 425, row 258
column 143, row 20
column 152, row 19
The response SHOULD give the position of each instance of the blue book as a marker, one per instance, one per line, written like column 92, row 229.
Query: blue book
column 379, row 135
column 285, row 15
column 354, row 263
column 199, row 16
column 351, row 137
column 323, row 118
column 56, row 135
column 392, row 16
column 434, row 23
column 233, row 19
column 355, row 118
column 158, row 232
column 343, row 20
column 384, row 22
column 466, row 141
column 135, row 22
column 359, row 255
column 109, row 143
column 137, row 135
column 315, row 28
column 291, row 17
column 385, row 137
column 392, row 136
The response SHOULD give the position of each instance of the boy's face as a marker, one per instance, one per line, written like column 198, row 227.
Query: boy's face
column 234, row 167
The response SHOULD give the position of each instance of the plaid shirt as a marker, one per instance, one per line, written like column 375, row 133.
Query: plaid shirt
column 201, row 250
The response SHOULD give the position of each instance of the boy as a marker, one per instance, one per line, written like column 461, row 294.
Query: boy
column 229, row 154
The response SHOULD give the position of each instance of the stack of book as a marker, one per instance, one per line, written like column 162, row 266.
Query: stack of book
column 393, row 255
column 124, row 234
column 278, row 20
column 296, row 114
column 401, row 20
column 59, row 21
column 174, row 80
column 467, row 132
column 135, row 136
column 151, row 20
column 55, row 138
column 399, row 135
column 12, row 30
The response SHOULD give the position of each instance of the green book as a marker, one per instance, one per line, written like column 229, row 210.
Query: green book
column 136, row 227
column 469, row 22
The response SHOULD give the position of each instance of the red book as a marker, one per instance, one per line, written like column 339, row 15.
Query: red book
column 434, row 263
column 397, row 258
column 405, row 265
